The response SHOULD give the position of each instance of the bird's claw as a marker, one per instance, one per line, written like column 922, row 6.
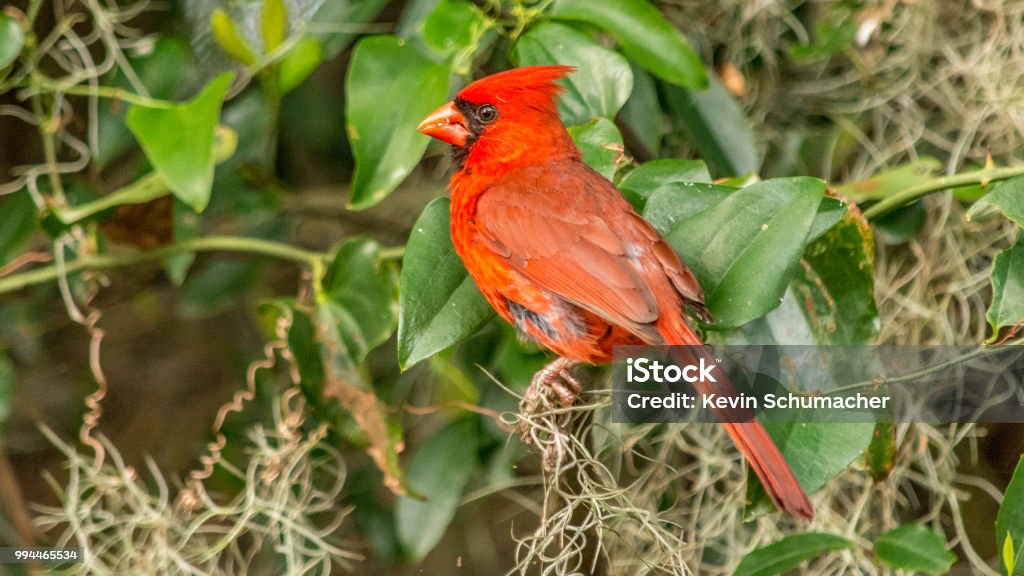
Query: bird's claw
column 553, row 383
column 557, row 376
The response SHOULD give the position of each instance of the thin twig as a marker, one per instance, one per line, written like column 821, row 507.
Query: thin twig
column 238, row 244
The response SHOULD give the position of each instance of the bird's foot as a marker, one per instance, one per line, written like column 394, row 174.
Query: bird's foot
column 557, row 376
column 553, row 386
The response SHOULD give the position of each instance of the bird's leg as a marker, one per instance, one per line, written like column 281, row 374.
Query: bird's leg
column 544, row 430
column 557, row 376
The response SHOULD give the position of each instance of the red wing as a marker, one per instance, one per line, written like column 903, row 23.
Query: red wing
column 573, row 234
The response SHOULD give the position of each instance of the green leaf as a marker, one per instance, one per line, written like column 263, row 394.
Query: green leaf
column 888, row 182
column 672, row 203
column 178, row 141
column 439, row 305
column 914, row 548
column 451, row 26
column 1007, row 307
column 17, row 221
column 186, row 227
column 642, row 114
column 600, row 85
column 974, row 192
column 831, row 211
column 162, row 70
column 227, row 37
column 648, row 178
column 816, row 452
column 378, row 430
column 334, row 16
column 1008, row 197
column 363, row 292
column 1010, row 519
column 304, row 345
column 835, row 286
column 601, row 144
column 901, row 224
column 714, row 122
column 643, row 34
column 273, row 24
column 439, row 470
column 414, row 17
column 881, row 453
column 12, row 39
column 298, row 63
column 390, row 88
column 744, row 250
column 788, row 553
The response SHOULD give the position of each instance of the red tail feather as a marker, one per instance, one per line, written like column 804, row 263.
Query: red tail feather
column 748, row 434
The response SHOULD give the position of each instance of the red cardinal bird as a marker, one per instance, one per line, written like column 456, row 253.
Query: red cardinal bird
column 559, row 252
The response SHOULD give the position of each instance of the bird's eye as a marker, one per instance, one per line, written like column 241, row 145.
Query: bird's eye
column 487, row 114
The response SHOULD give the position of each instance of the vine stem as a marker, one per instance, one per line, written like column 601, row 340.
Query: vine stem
column 977, row 353
column 983, row 176
column 256, row 246
column 112, row 93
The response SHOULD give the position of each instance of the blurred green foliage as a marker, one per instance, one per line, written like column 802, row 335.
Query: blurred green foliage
column 776, row 257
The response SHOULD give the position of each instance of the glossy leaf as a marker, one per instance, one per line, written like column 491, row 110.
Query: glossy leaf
column 414, row 17
column 672, row 203
column 1010, row 519
column 351, row 14
column 831, row 211
column 1007, row 307
column 601, row 144
column 12, row 39
column 648, row 178
column 390, row 88
column 1008, row 197
column 162, row 71
column 745, row 249
column 643, row 34
column 273, row 23
column 178, row 141
column 787, row 554
column 714, row 122
column 451, row 26
column 439, row 470
column 439, row 305
column 914, row 548
column 298, row 63
column 835, row 285
column 816, row 452
column 363, row 292
column 601, row 83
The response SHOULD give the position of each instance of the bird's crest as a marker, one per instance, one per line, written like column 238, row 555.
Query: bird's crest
column 529, row 85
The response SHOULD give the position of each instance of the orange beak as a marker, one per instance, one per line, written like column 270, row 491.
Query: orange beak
column 446, row 124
